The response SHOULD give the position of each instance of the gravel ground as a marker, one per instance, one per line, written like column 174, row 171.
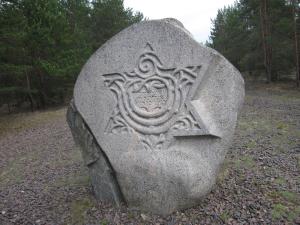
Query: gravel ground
column 43, row 181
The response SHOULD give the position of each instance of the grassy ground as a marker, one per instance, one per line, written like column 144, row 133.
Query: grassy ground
column 43, row 180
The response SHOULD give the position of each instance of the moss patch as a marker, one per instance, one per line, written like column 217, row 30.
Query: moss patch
column 78, row 211
column 224, row 171
column 286, row 205
column 251, row 144
column 282, row 126
column 245, row 161
column 225, row 216
column 104, row 222
column 285, row 196
column 294, row 213
column 279, row 211
column 290, row 196
column 280, row 180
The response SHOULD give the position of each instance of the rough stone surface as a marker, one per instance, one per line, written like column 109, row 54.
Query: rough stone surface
column 163, row 108
column 101, row 172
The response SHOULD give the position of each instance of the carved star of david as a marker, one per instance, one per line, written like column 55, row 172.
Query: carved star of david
column 154, row 101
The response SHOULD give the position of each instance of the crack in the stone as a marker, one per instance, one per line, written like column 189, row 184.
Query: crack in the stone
column 91, row 158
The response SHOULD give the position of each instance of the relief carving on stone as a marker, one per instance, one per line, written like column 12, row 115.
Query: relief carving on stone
column 154, row 101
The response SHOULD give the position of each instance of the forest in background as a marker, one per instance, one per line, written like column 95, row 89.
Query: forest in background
column 44, row 44
column 260, row 37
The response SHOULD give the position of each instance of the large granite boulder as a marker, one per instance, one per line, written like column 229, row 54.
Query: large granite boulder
column 154, row 112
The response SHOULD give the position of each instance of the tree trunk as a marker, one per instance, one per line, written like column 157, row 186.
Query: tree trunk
column 8, row 107
column 266, row 38
column 41, row 91
column 296, row 32
column 29, row 91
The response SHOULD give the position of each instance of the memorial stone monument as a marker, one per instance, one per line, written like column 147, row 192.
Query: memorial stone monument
column 154, row 113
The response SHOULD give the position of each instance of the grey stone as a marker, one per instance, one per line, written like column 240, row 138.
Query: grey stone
column 162, row 110
column 103, row 178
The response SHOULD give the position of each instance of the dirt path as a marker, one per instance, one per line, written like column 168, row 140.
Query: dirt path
column 43, row 181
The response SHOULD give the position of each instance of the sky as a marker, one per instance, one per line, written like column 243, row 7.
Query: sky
column 195, row 15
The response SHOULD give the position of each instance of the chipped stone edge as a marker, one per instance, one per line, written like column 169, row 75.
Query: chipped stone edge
column 104, row 181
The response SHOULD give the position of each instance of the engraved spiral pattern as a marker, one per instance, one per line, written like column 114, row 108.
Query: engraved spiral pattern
column 150, row 99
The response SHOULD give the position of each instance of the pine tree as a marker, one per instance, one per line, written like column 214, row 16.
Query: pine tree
column 44, row 44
